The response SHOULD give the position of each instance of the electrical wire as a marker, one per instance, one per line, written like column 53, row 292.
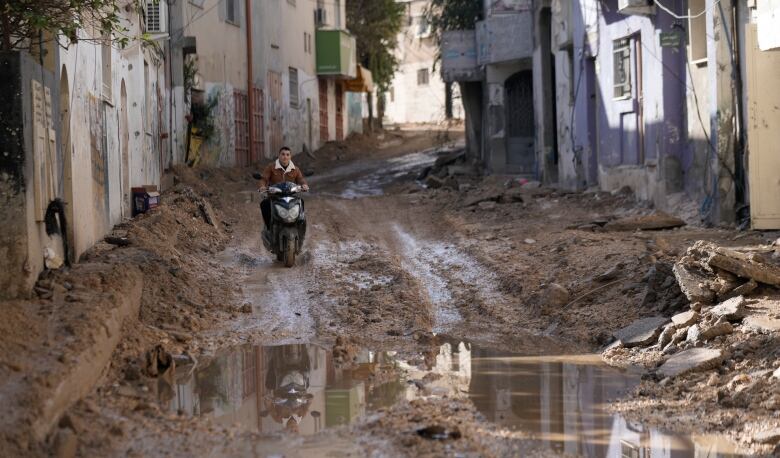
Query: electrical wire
column 684, row 16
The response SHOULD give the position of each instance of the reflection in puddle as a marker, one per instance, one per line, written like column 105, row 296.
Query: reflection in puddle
column 559, row 402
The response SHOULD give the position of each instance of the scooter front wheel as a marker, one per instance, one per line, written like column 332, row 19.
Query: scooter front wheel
column 289, row 254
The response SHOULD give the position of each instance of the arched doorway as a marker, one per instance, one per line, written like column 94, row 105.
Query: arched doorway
column 124, row 139
column 67, row 160
column 520, row 127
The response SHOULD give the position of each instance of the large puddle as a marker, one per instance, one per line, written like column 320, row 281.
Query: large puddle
column 559, row 402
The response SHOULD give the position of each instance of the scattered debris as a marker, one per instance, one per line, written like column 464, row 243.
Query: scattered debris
column 437, row 432
column 641, row 332
column 692, row 360
column 771, row 436
column 655, row 221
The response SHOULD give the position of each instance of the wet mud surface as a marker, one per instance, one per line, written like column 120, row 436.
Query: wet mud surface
column 557, row 404
column 417, row 322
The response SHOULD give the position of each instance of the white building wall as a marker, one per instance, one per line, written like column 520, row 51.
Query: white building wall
column 408, row 101
column 95, row 139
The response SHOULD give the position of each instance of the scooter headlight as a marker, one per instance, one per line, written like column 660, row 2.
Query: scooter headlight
column 288, row 216
column 294, row 212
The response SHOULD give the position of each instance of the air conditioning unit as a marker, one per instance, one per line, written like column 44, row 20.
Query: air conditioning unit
column 321, row 17
column 156, row 16
column 641, row 7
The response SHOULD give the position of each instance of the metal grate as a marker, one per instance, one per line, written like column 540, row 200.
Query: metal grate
column 241, row 114
column 621, row 72
column 293, row 87
column 153, row 16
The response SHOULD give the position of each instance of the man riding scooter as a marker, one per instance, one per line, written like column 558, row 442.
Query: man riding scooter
column 282, row 208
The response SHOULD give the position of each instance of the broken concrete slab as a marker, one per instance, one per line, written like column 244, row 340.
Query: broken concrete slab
column 686, row 318
column 655, row 221
column 731, row 310
column 746, row 288
column 666, row 336
column 761, row 323
column 449, row 158
column 745, row 265
column 771, row 436
column 720, row 329
column 493, row 196
column 641, row 332
column 693, row 334
column 692, row 360
column 693, row 283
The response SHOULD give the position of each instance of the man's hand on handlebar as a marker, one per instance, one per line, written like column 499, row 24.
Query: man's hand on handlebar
column 305, row 188
column 262, row 189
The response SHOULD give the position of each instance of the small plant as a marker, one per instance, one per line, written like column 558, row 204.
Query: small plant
column 202, row 117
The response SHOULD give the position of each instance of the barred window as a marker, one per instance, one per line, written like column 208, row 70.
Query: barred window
column 293, row 87
column 422, row 77
column 621, row 72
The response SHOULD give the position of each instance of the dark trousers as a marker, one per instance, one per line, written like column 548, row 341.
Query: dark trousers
column 265, row 209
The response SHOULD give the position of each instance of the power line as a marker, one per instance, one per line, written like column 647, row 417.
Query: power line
column 683, row 16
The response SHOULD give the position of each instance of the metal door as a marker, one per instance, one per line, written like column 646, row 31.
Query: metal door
column 339, row 111
column 521, row 156
column 275, row 110
column 763, row 123
column 323, row 83
column 258, row 140
column 241, row 115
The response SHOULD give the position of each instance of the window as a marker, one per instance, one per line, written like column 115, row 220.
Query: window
column 231, row 11
column 293, row 87
column 105, row 55
column 697, row 30
column 621, row 71
column 307, row 43
column 422, row 77
column 423, row 28
column 392, row 94
column 338, row 14
column 570, row 64
column 198, row 3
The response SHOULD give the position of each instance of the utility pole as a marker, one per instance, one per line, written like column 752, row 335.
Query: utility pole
column 250, row 81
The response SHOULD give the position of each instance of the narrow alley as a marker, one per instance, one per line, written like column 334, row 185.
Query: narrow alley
column 389, row 228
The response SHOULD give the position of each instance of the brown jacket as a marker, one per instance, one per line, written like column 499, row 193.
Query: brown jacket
column 275, row 174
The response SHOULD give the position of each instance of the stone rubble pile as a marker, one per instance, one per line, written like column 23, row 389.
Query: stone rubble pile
column 732, row 328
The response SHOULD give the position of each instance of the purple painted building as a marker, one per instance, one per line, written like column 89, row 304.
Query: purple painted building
column 626, row 82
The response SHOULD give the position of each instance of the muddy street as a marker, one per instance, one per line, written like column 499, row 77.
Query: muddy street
column 417, row 321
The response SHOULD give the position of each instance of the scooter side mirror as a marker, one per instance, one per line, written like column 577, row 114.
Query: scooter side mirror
column 256, row 176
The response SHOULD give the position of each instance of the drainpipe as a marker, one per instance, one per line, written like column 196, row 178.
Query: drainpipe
column 249, row 79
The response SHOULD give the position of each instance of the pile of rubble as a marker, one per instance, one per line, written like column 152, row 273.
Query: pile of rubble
column 729, row 336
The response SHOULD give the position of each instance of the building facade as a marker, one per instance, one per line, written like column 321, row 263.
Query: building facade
column 671, row 99
column 418, row 94
column 87, row 122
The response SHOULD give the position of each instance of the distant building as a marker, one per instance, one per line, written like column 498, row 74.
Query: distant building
column 418, row 94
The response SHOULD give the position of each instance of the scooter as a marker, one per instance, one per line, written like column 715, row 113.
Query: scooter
column 287, row 228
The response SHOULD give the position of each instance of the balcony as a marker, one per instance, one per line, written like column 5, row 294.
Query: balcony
column 336, row 54
column 459, row 56
column 505, row 37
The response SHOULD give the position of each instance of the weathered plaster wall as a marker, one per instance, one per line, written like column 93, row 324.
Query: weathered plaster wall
column 621, row 141
column 95, row 140
column 24, row 238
